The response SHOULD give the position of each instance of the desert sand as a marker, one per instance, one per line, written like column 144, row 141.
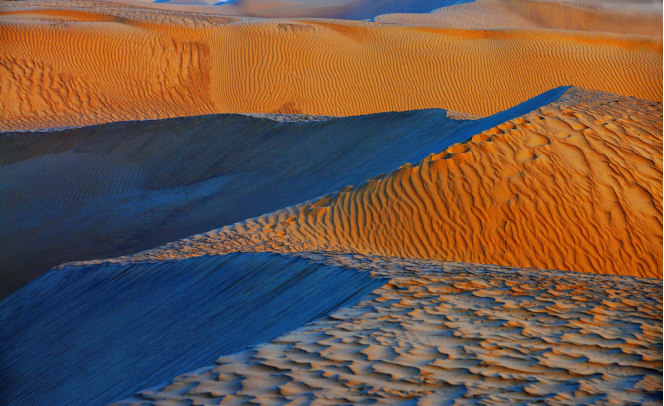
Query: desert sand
column 585, row 15
column 132, row 186
column 69, row 64
column 455, row 208
column 441, row 333
column 574, row 185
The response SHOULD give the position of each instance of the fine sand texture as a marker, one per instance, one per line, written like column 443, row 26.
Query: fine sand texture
column 574, row 185
column 338, row 9
column 119, row 188
column 452, row 334
column 71, row 64
column 92, row 335
column 621, row 18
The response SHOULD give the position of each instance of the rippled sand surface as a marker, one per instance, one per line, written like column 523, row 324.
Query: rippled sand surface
column 453, row 208
column 68, row 63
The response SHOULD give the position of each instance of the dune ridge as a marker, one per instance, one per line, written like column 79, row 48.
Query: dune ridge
column 575, row 185
column 534, row 14
column 442, row 334
column 182, row 66
column 91, row 335
column 135, row 185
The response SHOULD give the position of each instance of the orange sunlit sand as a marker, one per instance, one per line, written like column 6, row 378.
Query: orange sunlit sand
column 331, row 202
column 117, row 63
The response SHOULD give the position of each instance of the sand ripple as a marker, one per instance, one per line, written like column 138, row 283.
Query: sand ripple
column 443, row 334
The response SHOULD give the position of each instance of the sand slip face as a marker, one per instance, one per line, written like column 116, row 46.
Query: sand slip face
column 119, row 188
column 452, row 334
column 625, row 18
column 64, row 65
column 92, row 335
column 575, row 185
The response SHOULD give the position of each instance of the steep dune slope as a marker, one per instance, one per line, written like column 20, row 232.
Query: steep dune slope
column 578, row 15
column 91, row 335
column 448, row 334
column 62, row 64
column 575, row 185
column 119, row 188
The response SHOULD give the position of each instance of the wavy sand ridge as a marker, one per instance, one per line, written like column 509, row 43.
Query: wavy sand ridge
column 114, row 65
column 119, row 188
column 443, row 334
column 503, row 14
column 575, row 185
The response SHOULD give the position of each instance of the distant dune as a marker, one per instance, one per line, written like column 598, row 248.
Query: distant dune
column 622, row 18
column 65, row 65
column 574, row 185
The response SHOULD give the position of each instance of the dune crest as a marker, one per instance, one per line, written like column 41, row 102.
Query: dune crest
column 575, row 185
column 582, row 15
column 62, row 65
column 448, row 334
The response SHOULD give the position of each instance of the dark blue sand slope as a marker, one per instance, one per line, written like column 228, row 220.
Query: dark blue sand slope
column 91, row 335
column 119, row 188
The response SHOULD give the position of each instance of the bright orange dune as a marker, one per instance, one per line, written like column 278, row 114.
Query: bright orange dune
column 503, row 14
column 575, row 185
column 67, row 66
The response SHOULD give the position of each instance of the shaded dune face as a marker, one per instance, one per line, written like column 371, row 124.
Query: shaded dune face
column 578, row 16
column 575, row 185
column 91, row 335
column 443, row 334
column 118, row 64
column 119, row 188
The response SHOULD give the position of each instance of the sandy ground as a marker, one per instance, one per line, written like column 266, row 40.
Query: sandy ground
column 443, row 334
column 98, row 334
column 458, row 212
column 622, row 17
column 70, row 64
column 136, row 185
column 574, row 185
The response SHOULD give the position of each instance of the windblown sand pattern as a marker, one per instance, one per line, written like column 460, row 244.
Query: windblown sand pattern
column 441, row 333
column 575, row 185
column 491, row 236
column 61, row 66
column 136, row 185
column 534, row 14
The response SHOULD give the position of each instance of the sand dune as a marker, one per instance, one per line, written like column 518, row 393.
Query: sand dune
column 119, row 188
column 443, row 334
column 69, row 66
column 91, row 335
column 575, row 185
column 504, row 14
column 338, row 9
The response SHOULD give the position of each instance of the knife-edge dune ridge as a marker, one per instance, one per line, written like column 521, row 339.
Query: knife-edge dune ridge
column 62, row 65
column 574, row 185
column 132, row 186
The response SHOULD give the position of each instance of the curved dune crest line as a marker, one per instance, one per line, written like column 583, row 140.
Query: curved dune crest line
column 444, row 334
column 91, row 335
column 579, row 16
column 119, row 188
column 60, row 72
column 575, row 185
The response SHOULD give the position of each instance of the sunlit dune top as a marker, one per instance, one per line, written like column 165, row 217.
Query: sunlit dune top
column 70, row 64
column 574, row 185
